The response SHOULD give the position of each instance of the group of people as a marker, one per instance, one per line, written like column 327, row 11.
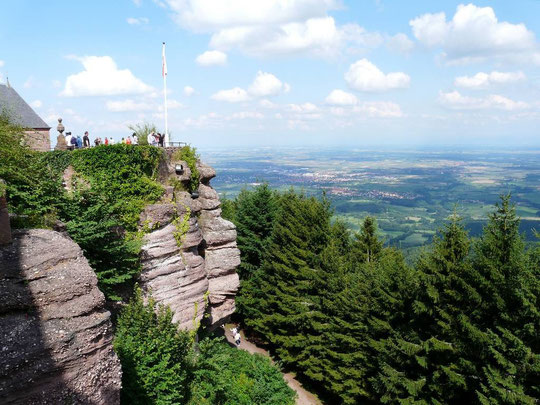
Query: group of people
column 78, row 142
column 236, row 335
column 156, row 139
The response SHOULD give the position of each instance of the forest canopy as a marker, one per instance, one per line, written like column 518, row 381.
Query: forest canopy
column 348, row 314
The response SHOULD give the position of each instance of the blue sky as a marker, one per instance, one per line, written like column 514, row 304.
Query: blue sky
column 282, row 72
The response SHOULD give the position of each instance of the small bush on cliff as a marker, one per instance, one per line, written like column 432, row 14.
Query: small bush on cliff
column 142, row 130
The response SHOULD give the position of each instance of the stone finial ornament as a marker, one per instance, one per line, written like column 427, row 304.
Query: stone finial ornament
column 60, row 140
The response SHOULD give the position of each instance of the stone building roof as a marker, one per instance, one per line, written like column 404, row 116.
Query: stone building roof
column 19, row 111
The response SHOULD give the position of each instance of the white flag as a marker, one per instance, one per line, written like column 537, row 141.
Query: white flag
column 163, row 62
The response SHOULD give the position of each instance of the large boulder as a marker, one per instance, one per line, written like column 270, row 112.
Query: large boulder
column 55, row 334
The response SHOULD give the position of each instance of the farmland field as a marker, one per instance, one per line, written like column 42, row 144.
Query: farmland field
column 410, row 192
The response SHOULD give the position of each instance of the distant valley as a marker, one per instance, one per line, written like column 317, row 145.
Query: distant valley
column 410, row 192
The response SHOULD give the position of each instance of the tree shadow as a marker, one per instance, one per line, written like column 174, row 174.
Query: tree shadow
column 31, row 372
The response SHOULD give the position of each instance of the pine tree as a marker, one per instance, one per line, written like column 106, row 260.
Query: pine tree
column 279, row 302
column 509, row 361
column 254, row 219
column 420, row 363
column 367, row 246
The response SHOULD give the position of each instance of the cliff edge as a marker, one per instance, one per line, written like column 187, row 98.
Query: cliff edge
column 189, row 255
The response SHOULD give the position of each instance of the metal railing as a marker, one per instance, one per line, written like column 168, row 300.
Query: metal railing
column 176, row 144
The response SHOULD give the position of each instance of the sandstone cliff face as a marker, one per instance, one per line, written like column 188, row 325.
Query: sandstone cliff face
column 55, row 335
column 194, row 272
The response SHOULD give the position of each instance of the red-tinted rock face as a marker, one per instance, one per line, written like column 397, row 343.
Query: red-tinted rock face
column 200, row 271
column 55, row 335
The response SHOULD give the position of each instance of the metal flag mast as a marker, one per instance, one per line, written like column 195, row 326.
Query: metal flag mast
column 164, row 73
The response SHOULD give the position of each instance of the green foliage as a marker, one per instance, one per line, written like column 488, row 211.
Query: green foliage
column 367, row 246
column 33, row 190
column 157, row 359
column 350, row 316
column 228, row 209
column 226, row 375
column 190, row 156
column 255, row 212
column 181, row 224
column 161, row 366
column 109, row 188
column 142, row 130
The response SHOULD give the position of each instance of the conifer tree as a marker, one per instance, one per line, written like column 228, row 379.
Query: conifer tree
column 367, row 245
column 279, row 301
column 254, row 219
column 509, row 361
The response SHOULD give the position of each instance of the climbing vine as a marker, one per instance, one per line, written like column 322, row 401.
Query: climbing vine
column 190, row 156
column 181, row 224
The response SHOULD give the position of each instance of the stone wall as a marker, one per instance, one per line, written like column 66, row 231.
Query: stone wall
column 38, row 140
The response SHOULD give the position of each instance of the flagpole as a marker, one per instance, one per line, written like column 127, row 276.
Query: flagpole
column 164, row 72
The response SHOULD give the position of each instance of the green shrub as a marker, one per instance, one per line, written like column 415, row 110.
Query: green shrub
column 226, row 375
column 111, row 186
column 160, row 364
column 142, row 130
column 157, row 359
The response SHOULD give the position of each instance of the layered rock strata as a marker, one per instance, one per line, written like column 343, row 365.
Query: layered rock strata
column 56, row 336
column 189, row 257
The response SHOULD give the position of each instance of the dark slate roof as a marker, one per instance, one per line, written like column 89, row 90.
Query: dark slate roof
column 19, row 111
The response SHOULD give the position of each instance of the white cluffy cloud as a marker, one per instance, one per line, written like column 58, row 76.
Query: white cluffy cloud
column 130, row 105
column 101, row 77
column 137, row 21
column 212, row 58
column 189, row 91
column 475, row 34
column 365, row 76
column 264, row 85
column 341, row 98
column 208, row 15
column 456, row 101
column 379, row 109
column 270, row 27
column 400, row 43
column 483, row 80
column 234, row 95
column 2, row 63
column 36, row 104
